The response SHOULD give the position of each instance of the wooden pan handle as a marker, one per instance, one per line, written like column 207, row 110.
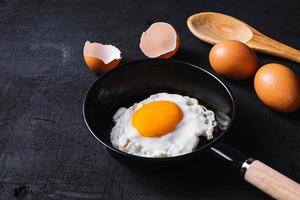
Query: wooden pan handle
column 272, row 182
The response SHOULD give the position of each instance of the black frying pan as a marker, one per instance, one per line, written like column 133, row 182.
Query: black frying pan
column 135, row 81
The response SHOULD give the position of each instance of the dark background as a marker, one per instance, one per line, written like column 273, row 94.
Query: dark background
column 46, row 151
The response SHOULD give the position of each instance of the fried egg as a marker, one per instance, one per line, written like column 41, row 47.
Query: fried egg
column 163, row 125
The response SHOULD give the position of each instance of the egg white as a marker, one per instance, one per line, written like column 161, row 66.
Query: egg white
column 197, row 121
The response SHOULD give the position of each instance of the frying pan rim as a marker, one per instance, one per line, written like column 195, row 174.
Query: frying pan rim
column 204, row 147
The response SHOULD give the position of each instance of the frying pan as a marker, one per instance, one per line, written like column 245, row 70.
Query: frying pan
column 135, row 81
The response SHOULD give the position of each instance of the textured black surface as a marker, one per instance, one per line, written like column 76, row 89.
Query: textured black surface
column 46, row 152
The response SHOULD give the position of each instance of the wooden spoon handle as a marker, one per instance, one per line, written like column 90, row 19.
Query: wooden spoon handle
column 270, row 46
column 272, row 182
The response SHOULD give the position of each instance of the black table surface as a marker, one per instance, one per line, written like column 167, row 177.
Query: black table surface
column 46, row 151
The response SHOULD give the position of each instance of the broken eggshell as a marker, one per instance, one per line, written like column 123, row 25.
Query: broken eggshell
column 160, row 40
column 101, row 58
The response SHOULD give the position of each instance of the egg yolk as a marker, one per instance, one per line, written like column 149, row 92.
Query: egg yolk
column 157, row 118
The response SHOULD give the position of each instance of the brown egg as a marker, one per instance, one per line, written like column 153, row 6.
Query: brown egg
column 278, row 87
column 160, row 40
column 101, row 58
column 233, row 59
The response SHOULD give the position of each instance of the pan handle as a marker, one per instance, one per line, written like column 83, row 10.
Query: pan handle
column 259, row 174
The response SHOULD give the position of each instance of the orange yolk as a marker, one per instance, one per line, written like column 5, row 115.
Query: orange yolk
column 157, row 118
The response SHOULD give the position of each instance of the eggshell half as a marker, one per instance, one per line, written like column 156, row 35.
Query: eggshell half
column 101, row 58
column 160, row 40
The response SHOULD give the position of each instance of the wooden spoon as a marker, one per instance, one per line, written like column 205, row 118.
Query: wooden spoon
column 213, row 27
